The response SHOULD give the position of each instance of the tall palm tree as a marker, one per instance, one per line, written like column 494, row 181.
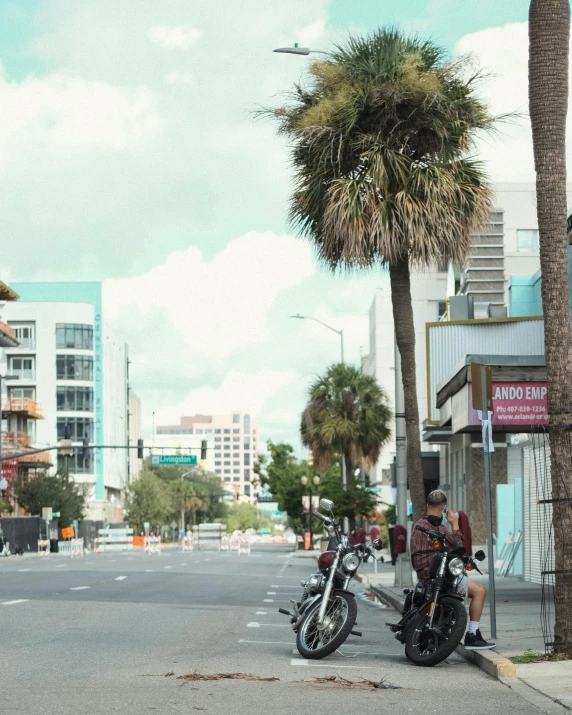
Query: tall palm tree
column 347, row 415
column 380, row 142
column 549, row 32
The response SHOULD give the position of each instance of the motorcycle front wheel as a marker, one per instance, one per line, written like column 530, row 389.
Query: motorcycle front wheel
column 314, row 641
column 426, row 647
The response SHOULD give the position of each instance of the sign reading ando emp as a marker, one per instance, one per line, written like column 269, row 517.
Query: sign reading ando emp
column 175, row 459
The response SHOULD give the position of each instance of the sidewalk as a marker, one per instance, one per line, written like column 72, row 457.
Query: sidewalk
column 518, row 630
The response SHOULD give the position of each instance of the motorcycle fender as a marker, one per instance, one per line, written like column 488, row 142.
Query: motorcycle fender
column 343, row 590
column 455, row 595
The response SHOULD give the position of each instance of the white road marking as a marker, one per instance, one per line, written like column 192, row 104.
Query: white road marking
column 283, row 568
column 271, row 593
column 61, row 566
column 18, row 600
column 268, row 600
column 353, row 654
column 22, row 570
column 184, row 564
column 261, row 613
column 121, row 578
column 167, row 567
column 253, row 624
column 243, row 640
column 148, row 570
column 79, row 588
column 310, row 664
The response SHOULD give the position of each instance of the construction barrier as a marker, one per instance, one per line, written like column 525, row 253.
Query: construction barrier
column 187, row 543
column 244, row 548
column 77, row 547
column 44, row 547
column 65, row 548
column 97, row 545
column 152, row 544
column 120, row 539
column 224, row 544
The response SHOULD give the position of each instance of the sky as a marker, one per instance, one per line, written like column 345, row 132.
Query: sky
column 129, row 154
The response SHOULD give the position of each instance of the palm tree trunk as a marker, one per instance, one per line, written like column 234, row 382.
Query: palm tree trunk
column 549, row 32
column 400, row 278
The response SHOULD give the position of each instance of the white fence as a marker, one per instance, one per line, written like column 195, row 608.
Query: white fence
column 115, row 539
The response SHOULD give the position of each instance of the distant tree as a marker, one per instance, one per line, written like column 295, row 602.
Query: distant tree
column 58, row 490
column 241, row 516
column 146, row 499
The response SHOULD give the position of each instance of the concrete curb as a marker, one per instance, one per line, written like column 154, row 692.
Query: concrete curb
column 492, row 663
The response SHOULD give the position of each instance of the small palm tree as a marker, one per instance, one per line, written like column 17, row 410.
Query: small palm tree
column 347, row 415
column 549, row 32
column 380, row 143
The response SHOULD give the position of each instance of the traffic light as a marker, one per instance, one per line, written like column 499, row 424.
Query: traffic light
column 203, row 450
column 139, row 449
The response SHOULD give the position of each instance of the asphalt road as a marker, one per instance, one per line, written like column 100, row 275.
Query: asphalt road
column 99, row 635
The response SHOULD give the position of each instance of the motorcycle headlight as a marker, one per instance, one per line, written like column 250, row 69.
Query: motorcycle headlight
column 456, row 566
column 350, row 562
column 315, row 581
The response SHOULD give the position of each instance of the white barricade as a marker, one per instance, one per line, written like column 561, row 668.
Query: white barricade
column 208, row 535
column 115, row 539
column 77, row 547
column 225, row 544
column 65, row 548
column 44, row 547
column 97, row 545
column 187, row 543
column 244, row 547
column 152, row 545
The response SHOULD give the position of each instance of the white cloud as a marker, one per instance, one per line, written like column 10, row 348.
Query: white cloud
column 174, row 37
column 503, row 52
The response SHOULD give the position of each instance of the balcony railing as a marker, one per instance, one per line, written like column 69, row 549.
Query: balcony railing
column 23, row 405
column 22, row 374
column 5, row 328
column 14, row 441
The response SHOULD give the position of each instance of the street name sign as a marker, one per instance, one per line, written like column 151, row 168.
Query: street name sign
column 175, row 459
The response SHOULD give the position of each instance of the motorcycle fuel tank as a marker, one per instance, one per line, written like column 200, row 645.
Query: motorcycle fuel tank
column 326, row 560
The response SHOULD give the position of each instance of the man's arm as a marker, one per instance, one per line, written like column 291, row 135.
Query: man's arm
column 454, row 537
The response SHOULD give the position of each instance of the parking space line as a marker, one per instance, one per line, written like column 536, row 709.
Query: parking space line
column 121, row 578
column 22, row 570
column 79, row 588
column 17, row 600
column 243, row 640
column 310, row 664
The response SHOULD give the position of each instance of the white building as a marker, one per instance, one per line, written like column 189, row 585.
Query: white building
column 233, row 447
column 67, row 363
column 507, row 246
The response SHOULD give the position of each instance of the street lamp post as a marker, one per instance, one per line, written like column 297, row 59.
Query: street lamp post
column 317, row 320
column 305, row 482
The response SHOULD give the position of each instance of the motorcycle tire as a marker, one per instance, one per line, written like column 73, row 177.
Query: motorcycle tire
column 314, row 645
column 426, row 649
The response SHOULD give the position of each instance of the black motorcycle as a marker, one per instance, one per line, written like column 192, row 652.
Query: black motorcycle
column 326, row 613
column 434, row 616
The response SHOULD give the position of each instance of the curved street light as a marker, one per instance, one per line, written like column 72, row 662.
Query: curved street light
column 317, row 320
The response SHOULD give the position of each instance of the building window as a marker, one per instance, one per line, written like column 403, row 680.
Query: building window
column 218, row 471
column 79, row 427
column 23, row 367
column 73, row 335
column 247, row 443
column 78, row 464
column 236, row 439
column 247, row 490
column 441, row 308
column 527, row 240
column 74, row 367
column 236, row 431
column 22, row 393
column 217, row 464
column 227, row 471
column 236, row 471
column 217, row 439
column 227, row 455
column 247, row 460
column 74, row 399
column 227, row 479
column 236, row 463
column 227, row 464
column 199, row 431
column 247, row 475
column 236, row 454
column 236, row 418
column 246, row 423
column 227, row 439
column 227, row 431
column 25, row 335
column 217, row 431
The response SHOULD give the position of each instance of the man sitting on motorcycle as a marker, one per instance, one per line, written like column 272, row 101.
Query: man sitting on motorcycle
column 422, row 553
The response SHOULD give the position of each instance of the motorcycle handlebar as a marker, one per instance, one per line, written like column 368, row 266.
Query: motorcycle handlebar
column 319, row 516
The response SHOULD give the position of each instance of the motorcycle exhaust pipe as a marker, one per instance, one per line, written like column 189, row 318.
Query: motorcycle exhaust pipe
column 285, row 612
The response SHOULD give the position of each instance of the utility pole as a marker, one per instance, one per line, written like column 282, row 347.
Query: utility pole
column 403, row 566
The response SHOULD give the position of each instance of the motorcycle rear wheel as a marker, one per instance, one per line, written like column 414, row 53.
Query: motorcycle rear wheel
column 426, row 648
column 314, row 643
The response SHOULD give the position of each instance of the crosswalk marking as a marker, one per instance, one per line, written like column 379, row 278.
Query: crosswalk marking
column 78, row 588
column 121, row 578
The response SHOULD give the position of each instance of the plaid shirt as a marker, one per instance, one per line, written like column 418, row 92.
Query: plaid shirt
column 422, row 550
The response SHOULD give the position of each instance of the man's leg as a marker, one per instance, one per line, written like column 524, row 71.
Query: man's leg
column 477, row 594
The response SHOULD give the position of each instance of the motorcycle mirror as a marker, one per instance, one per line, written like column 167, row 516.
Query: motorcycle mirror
column 377, row 545
column 327, row 504
column 480, row 556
